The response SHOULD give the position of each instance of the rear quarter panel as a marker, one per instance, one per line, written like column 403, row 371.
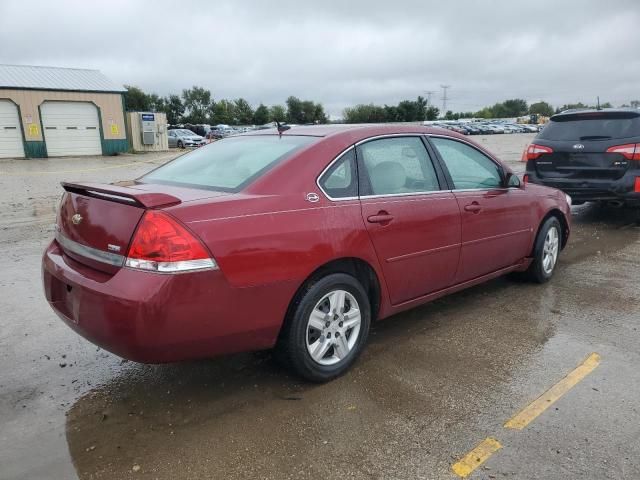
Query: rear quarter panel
column 259, row 240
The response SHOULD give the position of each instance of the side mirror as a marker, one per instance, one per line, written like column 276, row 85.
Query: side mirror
column 511, row 180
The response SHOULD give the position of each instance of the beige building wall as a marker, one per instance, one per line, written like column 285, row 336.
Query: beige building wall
column 135, row 133
column 110, row 105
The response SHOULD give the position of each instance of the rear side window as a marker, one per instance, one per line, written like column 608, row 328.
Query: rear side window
column 397, row 165
column 229, row 164
column 592, row 126
column 340, row 181
column 469, row 168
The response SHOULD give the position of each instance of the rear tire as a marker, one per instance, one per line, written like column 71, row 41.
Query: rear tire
column 180, row 144
column 546, row 251
column 327, row 328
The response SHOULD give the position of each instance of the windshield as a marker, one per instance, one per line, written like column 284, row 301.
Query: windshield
column 592, row 126
column 229, row 164
column 186, row 132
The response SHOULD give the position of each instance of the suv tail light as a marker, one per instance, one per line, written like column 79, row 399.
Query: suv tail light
column 636, row 185
column 631, row 151
column 533, row 151
column 161, row 244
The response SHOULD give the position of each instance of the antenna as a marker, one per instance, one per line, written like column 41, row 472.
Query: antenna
column 282, row 128
column 444, row 98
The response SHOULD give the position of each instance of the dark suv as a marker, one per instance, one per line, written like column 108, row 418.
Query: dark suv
column 592, row 155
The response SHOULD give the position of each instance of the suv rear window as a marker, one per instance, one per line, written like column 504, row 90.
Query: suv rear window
column 592, row 126
column 228, row 165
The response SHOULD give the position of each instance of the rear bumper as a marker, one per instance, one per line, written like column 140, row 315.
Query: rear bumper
column 589, row 190
column 154, row 318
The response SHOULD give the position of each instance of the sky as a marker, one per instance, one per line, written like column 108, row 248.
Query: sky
column 341, row 53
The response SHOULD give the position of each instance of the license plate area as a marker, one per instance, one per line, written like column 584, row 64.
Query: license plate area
column 65, row 298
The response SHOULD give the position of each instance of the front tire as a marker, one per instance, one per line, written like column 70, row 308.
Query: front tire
column 546, row 251
column 327, row 328
column 180, row 144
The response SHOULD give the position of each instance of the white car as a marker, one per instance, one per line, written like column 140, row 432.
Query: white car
column 183, row 138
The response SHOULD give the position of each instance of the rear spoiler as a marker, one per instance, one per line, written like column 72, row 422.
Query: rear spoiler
column 128, row 196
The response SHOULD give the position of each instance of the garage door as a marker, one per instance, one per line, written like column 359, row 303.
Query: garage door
column 10, row 134
column 71, row 128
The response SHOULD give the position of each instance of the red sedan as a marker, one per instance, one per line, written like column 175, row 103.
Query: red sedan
column 297, row 240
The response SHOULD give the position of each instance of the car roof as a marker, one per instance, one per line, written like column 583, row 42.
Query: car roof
column 356, row 131
column 575, row 111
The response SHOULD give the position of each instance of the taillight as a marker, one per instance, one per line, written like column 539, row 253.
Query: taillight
column 630, row 151
column 636, row 185
column 533, row 151
column 161, row 244
column 525, row 178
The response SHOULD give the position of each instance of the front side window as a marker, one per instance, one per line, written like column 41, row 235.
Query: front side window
column 340, row 180
column 229, row 164
column 469, row 168
column 397, row 165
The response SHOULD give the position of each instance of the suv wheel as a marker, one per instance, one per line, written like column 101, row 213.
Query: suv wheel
column 328, row 328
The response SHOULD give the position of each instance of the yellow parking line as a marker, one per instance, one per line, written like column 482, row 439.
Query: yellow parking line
column 544, row 401
column 476, row 457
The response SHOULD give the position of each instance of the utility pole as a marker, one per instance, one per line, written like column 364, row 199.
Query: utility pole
column 429, row 93
column 444, row 98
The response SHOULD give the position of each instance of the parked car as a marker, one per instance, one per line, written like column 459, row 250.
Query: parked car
column 182, row 138
column 272, row 240
column 593, row 155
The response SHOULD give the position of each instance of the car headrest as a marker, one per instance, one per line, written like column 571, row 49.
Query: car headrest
column 388, row 177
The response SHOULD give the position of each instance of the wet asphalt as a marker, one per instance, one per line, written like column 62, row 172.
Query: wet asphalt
column 432, row 383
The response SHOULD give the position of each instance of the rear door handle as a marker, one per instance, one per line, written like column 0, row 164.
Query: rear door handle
column 473, row 207
column 381, row 217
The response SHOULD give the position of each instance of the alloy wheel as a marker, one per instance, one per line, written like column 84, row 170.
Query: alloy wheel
column 333, row 327
column 550, row 250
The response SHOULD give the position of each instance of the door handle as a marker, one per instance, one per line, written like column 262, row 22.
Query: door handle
column 473, row 207
column 381, row 217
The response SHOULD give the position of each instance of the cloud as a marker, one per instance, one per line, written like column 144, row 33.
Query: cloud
column 341, row 52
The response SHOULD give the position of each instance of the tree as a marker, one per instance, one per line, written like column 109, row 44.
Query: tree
column 432, row 113
column 294, row 110
column 319, row 115
column 223, row 112
column 308, row 111
column 197, row 103
column 511, row 108
column 135, row 99
column 174, row 109
column 155, row 103
column 261, row 115
column 541, row 108
column 571, row 106
column 277, row 113
column 635, row 103
column 365, row 114
column 243, row 113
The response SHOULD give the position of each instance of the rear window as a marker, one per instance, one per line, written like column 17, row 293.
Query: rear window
column 228, row 165
column 592, row 126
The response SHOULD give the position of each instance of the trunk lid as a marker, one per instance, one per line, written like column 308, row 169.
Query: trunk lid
column 586, row 163
column 96, row 222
